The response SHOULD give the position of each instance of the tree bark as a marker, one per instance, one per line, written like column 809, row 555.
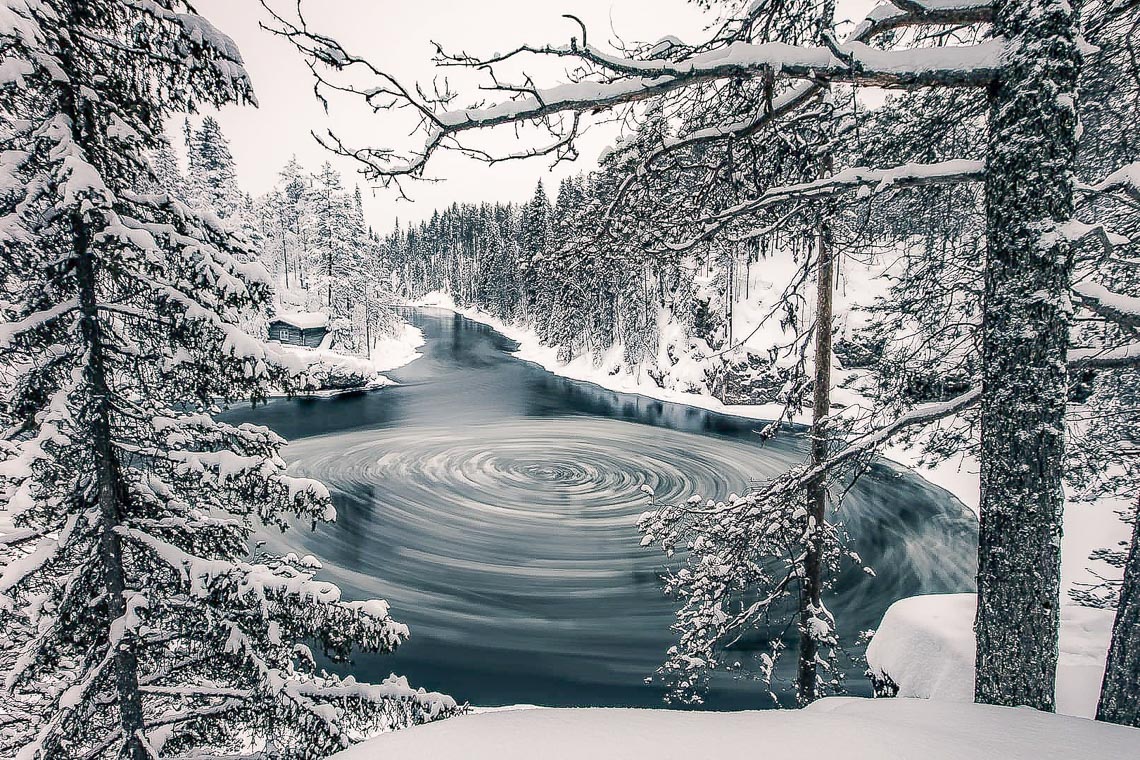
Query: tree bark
column 1120, row 690
column 811, row 591
column 284, row 250
column 811, row 603
column 107, row 479
column 109, row 489
column 1029, row 193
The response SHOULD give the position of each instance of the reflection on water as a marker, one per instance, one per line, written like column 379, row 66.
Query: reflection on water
column 494, row 505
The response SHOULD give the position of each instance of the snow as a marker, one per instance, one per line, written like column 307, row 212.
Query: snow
column 1126, row 178
column 848, row 728
column 925, row 644
column 303, row 320
column 13, row 71
column 1120, row 304
column 340, row 373
column 226, row 59
column 10, row 330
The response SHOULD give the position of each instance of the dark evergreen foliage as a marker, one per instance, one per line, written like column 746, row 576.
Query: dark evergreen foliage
column 135, row 620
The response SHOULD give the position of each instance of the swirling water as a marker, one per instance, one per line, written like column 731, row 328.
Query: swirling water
column 494, row 506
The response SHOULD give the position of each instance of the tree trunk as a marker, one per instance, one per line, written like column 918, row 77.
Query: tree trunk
column 811, row 604
column 109, row 488
column 1029, row 194
column 284, row 251
column 1120, row 690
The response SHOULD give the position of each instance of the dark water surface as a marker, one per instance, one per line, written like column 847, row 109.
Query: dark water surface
column 494, row 506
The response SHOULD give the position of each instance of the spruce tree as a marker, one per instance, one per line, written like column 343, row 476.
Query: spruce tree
column 213, row 174
column 535, row 230
column 136, row 621
column 332, row 236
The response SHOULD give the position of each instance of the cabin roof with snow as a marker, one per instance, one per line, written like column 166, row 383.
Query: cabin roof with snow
column 302, row 320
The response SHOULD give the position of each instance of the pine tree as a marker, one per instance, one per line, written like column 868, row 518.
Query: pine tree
column 168, row 176
column 136, row 623
column 535, row 230
column 331, row 241
column 213, row 174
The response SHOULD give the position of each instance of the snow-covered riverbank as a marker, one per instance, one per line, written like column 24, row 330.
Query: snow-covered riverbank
column 342, row 373
column 582, row 368
column 848, row 728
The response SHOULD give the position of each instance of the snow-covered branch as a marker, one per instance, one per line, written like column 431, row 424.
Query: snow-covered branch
column 1124, row 180
column 1119, row 357
column 969, row 65
column 860, row 178
column 884, row 18
column 1120, row 309
column 607, row 80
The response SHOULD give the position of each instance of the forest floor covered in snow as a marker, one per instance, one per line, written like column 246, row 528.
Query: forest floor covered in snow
column 848, row 728
column 925, row 646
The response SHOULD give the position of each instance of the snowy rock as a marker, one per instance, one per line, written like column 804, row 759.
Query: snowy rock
column 852, row 729
column 925, row 648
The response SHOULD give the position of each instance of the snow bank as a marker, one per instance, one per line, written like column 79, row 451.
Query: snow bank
column 925, row 645
column 852, row 729
column 337, row 373
column 395, row 351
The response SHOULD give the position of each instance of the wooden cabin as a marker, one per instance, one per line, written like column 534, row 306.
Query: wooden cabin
column 299, row 328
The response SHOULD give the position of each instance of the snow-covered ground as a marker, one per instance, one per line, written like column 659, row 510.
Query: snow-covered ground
column 395, row 351
column 925, row 645
column 357, row 372
column 852, row 729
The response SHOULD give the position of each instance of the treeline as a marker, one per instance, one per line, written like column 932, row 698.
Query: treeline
column 545, row 266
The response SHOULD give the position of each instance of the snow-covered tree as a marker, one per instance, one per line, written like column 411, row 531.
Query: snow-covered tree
column 136, row 622
column 168, row 176
column 213, row 173
column 1020, row 59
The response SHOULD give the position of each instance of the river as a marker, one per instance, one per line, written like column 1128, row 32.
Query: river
column 494, row 506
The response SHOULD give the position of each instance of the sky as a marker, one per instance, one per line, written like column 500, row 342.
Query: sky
column 397, row 36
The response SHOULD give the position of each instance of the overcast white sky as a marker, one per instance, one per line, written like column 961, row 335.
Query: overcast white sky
column 397, row 35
